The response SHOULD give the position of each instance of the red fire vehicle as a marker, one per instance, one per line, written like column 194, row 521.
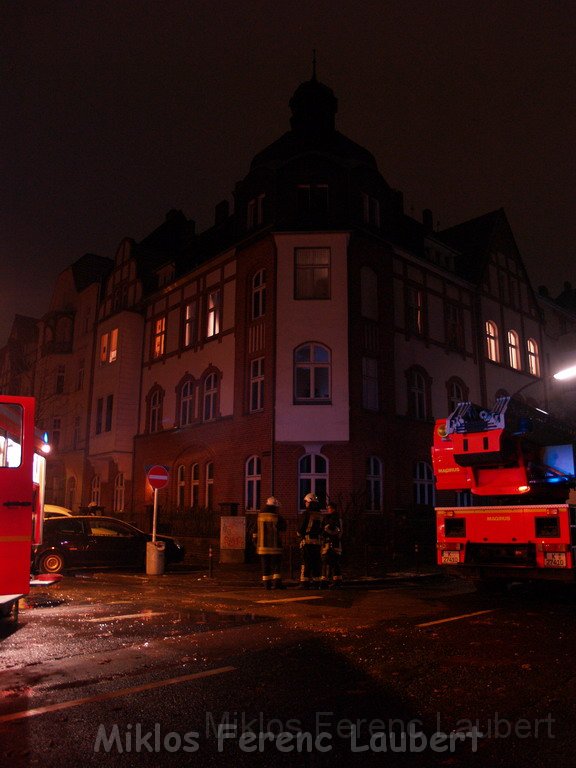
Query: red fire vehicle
column 22, row 475
column 516, row 464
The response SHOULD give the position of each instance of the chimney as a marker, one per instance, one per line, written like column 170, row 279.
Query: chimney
column 428, row 220
column 221, row 212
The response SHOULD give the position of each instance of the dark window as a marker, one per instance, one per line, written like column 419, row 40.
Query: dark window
column 99, row 412
column 109, row 407
column 455, row 526
column 547, row 527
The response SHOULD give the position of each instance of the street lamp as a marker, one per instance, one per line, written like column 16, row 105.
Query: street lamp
column 565, row 373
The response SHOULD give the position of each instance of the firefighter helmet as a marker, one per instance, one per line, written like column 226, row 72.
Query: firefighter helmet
column 273, row 502
column 310, row 497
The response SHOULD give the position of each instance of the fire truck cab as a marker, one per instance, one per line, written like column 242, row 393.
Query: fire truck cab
column 517, row 465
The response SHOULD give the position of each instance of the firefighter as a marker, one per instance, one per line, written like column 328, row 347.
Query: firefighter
column 309, row 533
column 331, row 548
column 268, row 543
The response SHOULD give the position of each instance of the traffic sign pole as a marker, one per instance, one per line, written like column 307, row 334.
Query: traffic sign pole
column 155, row 515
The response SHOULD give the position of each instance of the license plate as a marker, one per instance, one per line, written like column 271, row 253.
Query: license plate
column 450, row 557
column 555, row 560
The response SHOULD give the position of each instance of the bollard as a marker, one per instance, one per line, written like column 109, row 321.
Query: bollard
column 210, row 561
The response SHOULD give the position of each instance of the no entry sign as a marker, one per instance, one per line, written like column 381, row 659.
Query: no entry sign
column 158, row 477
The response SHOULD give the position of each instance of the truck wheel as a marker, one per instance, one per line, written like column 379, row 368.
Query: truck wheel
column 51, row 562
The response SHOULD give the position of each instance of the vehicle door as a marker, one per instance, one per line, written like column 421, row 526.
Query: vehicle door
column 68, row 535
column 111, row 542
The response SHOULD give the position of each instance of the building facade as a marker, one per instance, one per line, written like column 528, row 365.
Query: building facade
column 304, row 342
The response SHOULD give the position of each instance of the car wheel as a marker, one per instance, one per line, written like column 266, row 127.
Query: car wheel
column 51, row 562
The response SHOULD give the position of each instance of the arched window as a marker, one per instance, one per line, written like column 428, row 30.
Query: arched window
column 457, row 392
column 209, row 491
column 492, row 347
column 369, row 293
column 312, row 373
column 253, row 482
column 154, row 402
column 313, row 478
column 186, row 403
column 119, row 493
column 195, row 486
column 210, row 409
column 418, row 383
column 514, row 350
column 423, row 483
column 259, row 294
column 533, row 357
column 373, row 484
column 180, row 486
column 95, row 490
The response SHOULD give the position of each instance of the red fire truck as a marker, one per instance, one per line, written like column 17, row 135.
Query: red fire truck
column 22, row 475
column 514, row 467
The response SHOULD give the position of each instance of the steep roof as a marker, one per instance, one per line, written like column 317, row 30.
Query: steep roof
column 473, row 239
column 89, row 269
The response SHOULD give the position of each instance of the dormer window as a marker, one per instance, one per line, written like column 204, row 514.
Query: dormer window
column 370, row 210
column 313, row 199
column 255, row 213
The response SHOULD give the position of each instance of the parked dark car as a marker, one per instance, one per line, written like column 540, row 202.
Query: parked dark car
column 84, row 542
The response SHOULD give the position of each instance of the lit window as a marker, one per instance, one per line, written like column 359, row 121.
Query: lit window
column 373, row 484
column 159, row 337
column 257, row 384
column 190, row 317
column 423, row 483
column 414, row 310
column 109, row 347
column 113, row 354
column 533, row 357
column 213, row 314
column 514, row 350
column 253, row 482
column 312, row 373
column 492, row 348
column 259, row 294
column 312, row 273
column 313, row 478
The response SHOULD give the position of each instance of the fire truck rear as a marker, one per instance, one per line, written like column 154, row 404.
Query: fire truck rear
column 516, row 464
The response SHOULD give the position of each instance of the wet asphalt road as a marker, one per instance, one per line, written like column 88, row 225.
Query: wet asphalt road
column 122, row 670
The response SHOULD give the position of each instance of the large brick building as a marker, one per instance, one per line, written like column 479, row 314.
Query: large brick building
column 305, row 341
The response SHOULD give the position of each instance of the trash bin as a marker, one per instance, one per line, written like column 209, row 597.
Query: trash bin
column 155, row 552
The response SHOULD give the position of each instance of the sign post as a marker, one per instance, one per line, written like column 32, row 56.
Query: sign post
column 157, row 478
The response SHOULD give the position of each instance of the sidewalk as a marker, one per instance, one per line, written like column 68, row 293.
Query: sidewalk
column 248, row 575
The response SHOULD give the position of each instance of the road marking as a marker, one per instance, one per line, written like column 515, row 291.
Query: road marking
column 142, row 615
column 455, row 618
column 112, row 694
column 292, row 599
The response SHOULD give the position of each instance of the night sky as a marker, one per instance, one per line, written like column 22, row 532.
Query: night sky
column 115, row 111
